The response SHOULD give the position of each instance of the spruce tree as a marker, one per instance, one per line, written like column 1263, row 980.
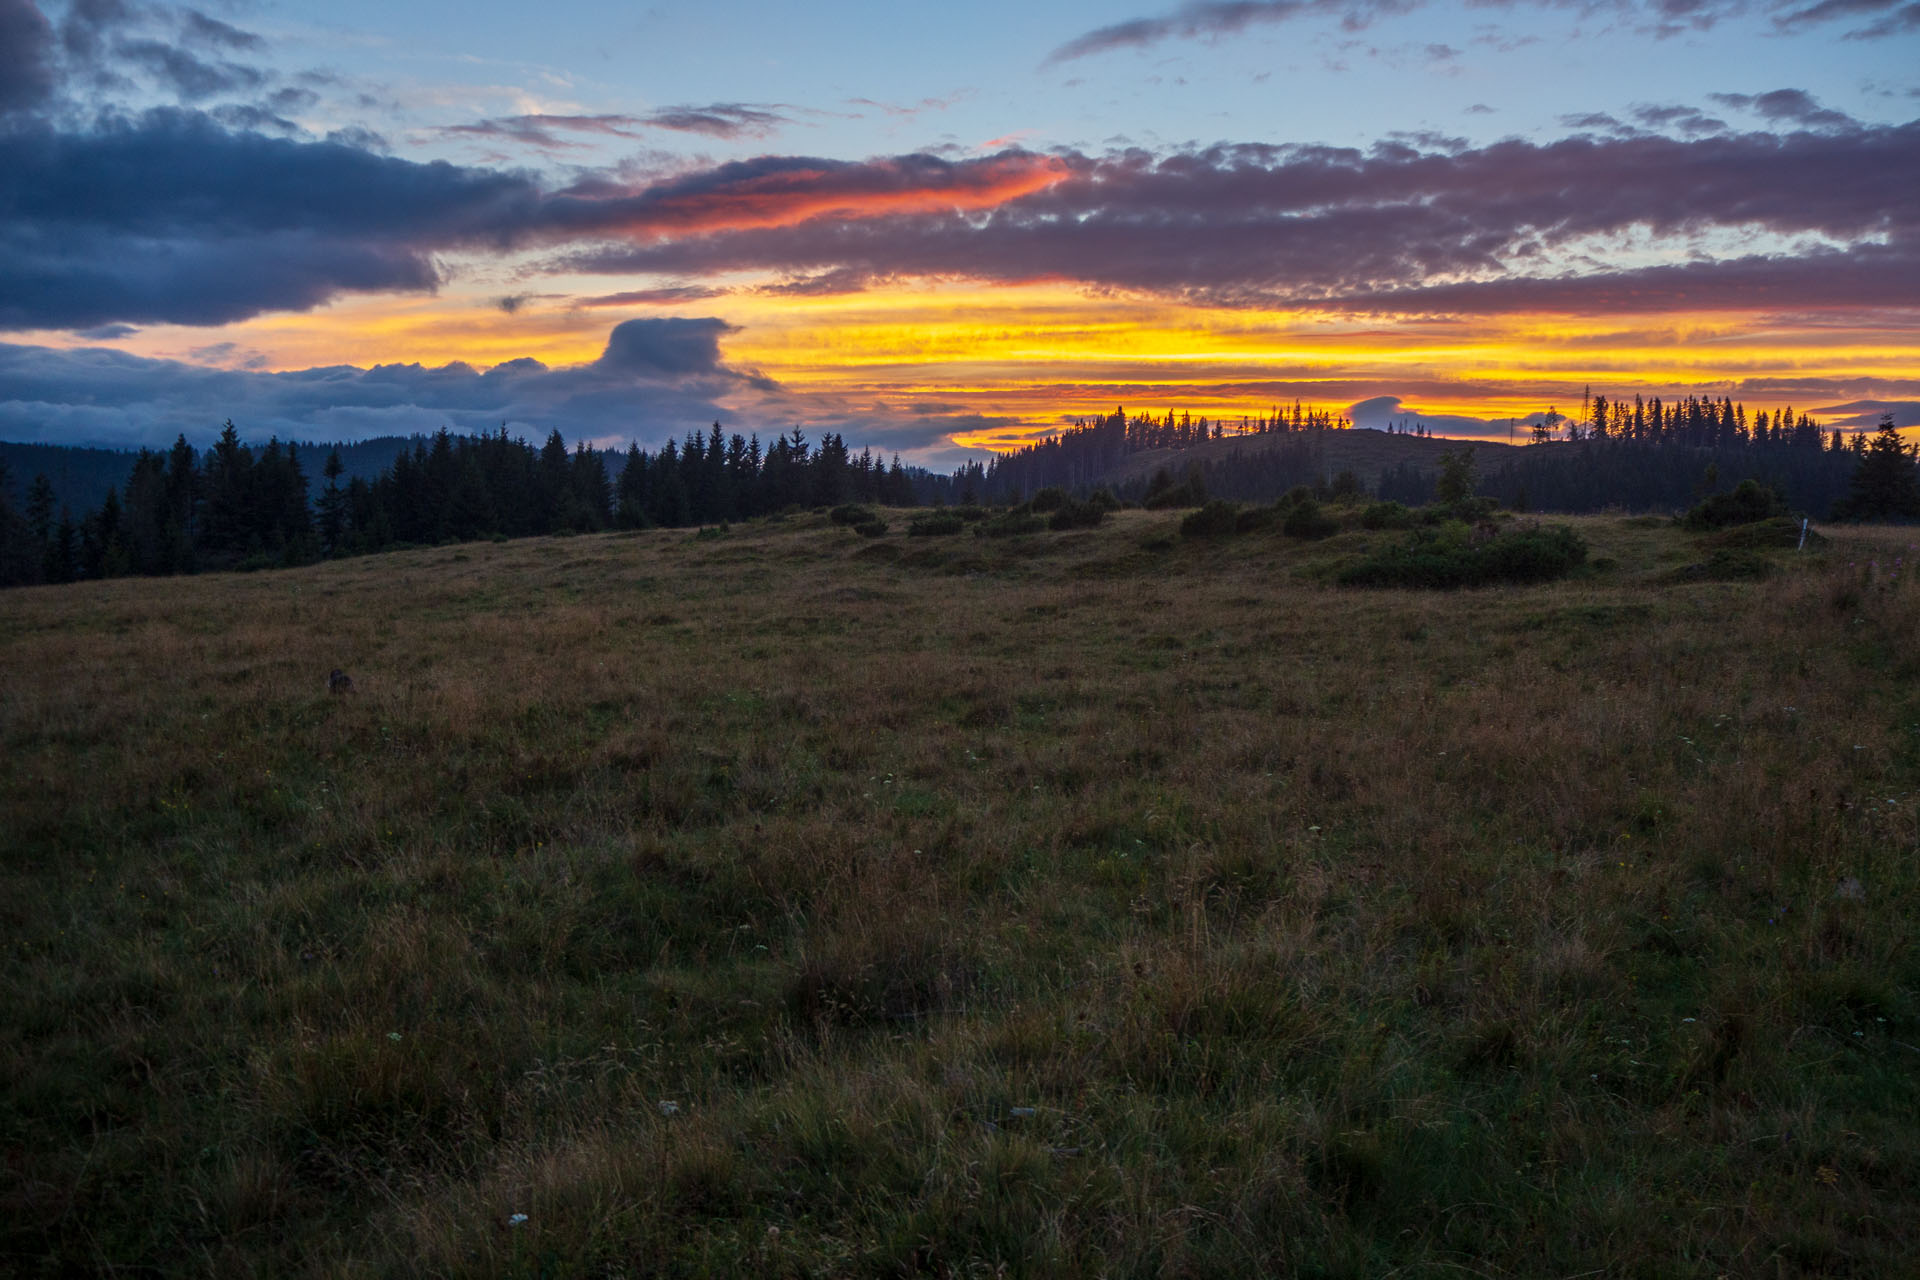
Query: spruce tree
column 1886, row 485
column 333, row 507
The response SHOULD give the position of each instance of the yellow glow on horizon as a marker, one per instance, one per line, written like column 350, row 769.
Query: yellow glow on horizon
column 1033, row 356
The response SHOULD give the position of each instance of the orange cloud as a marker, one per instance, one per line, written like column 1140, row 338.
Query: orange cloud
column 782, row 192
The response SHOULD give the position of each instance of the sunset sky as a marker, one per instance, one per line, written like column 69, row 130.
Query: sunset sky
column 942, row 229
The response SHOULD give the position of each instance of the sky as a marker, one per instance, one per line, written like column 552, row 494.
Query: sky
column 944, row 230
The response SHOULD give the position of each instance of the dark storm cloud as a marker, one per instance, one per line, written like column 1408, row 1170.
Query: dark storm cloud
column 26, row 45
column 1356, row 229
column 170, row 218
column 656, row 379
column 667, row 346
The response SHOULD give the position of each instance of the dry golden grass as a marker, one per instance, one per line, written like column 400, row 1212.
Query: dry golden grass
column 1080, row 904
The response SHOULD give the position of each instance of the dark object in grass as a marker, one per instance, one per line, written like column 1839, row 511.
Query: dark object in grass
column 1163, row 492
column 1780, row 531
column 1386, row 515
column 1216, row 519
column 1078, row 515
column 852, row 514
column 339, row 681
column 1749, row 503
column 871, row 528
column 935, row 524
column 1306, row 520
column 1738, row 564
column 1453, row 557
column 1011, row 524
column 1051, row 498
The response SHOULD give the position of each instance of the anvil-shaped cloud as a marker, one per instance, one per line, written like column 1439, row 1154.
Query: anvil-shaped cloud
column 656, row 379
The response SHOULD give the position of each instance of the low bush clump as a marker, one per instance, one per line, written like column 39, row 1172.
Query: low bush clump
column 1386, row 515
column 935, row 524
column 1163, row 492
column 1749, row 503
column 1778, row 531
column 1728, row 564
column 1011, row 524
column 1456, row 557
column 1305, row 519
column 1254, row 518
column 1051, row 498
column 1078, row 515
column 852, row 514
column 1215, row 520
column 873, row 528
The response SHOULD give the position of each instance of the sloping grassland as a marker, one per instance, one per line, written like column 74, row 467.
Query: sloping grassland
column 794, row 903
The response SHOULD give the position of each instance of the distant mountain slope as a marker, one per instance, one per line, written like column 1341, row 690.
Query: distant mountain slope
column 1556, row 476
column 81, row 476
column 1364, row 451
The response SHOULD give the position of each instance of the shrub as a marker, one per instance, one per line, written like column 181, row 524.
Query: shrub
column 1749, row 503
column 1162, row 492
column 970, row 512
column 1466, row 511
column 1386, row 515
column 1253, row 518
column 1215, row 520
column 1305, row 519
column 1777, row 531
column 1011, row 524
column 873, row 528
column 1077, row 515
column 1051, row 498
column 935, row 524
column 1447, row 559
column 1455, row 483
column 852, row 514
column 1725, row 565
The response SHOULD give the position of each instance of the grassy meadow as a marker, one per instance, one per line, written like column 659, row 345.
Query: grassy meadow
column 786, row 902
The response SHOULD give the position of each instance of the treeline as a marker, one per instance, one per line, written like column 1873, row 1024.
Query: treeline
column 1696, row 423
column 1632, row 476
column 1080, row 456
column 235, row 507
column 1642, row 453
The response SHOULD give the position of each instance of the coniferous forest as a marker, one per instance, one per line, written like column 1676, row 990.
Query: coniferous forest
column 237, row 507
column 1639, row 455
column 234, row 507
